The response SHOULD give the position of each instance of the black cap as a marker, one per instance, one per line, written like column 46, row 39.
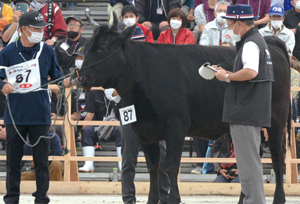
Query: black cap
column 32, row 18
column 21, row 1
column 77, row 18
column 80, row 52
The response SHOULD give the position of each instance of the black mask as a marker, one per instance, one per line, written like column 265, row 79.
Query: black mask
column 72, row 34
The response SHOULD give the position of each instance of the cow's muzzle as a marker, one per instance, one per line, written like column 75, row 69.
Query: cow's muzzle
column 79, row 83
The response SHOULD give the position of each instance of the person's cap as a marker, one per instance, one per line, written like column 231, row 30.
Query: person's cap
column 21, row 1
column 277, row 9
column 77, row 18
column 32, row 18
column 240, row 12
column 80, row 52
column 138, row 34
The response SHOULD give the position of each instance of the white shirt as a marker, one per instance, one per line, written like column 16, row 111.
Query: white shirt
column 250, row 56
column 200, row 17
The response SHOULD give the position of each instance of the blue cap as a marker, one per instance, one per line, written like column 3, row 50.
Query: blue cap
column 138, row 34
column 277, row 9
column 240, row 12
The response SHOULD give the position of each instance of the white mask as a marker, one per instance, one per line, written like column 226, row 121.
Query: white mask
column 276, row 24
column 78, row 63
column 35, row 37
column 233, row 36
column 129, row 21
column 220, row 19
column 297, row 5
column 175, row 24
column 36, row 6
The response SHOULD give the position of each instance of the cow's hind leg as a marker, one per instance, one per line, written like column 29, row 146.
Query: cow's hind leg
column 242, row 195
column 152, row 154
column 277, row 148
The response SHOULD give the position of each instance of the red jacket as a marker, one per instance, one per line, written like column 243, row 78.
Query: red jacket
column 59, row 28
column 147, row 32
column 184, row 36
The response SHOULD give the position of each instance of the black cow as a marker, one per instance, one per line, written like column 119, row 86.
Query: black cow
column 172, row 100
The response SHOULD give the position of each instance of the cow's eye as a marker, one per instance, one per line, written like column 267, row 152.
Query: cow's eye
column 102, row 48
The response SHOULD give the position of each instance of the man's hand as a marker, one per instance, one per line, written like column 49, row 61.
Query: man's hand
column 221, row 74
column 293, row 30
column 190, row 17
column 7, row 89
column 2, row 133
column 53, row 116
column 163, row 24
column 32, row 165
column 223, row 173
column 17, row 15
column 147, row 23
column 67, row 82
column 266, row 135
column 50, row 42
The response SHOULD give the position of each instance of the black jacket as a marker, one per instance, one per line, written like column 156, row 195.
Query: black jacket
column 144, row 7
column 66, row 58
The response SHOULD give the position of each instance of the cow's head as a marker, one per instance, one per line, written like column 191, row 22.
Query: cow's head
column 104, row 61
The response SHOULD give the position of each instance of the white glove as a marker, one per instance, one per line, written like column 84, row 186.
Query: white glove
column 109, row 93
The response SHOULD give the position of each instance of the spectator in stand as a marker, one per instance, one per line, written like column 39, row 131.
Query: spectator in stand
column 276, row 27
column 176, row 34
column 65, row 49
column 216, row 31
column 203, row 13
column 117, row 6
column 153, row 14
column 10, row 32
column 187, row 6
column 56, row 168
column 57, row 29
column 6, row 16
column 130, row 17
column 292, row 16
column 226, row 172
column 97, row 108
column 260, row 8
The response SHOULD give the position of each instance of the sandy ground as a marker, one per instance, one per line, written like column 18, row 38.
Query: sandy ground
column 113, row 199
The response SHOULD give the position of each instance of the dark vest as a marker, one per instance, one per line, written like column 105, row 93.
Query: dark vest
column 249, row 102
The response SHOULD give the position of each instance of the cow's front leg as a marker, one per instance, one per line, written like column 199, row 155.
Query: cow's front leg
column 152, row 155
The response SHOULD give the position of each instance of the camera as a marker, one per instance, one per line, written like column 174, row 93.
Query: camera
column 231, row 173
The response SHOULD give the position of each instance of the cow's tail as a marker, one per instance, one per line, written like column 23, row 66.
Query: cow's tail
column 289, row 124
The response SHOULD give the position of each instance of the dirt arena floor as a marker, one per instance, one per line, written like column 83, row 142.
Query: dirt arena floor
column 113, row 199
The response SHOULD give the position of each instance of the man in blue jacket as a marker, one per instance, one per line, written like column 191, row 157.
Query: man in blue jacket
column 26, row 64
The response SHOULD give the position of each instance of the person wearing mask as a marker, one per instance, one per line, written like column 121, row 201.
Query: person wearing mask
column 292, row 16
column 216, row 32
column 276, row 27
column 117, row 6
column 153, row 14
column 260, row 8
column 28, row 51
column 65, row 49
column 10, row 31
column 130, row 17
column 176, row 34
column 252, row 76
column 52, row 14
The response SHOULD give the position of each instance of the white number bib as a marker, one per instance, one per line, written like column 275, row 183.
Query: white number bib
column 25, row 77
column 127, row 115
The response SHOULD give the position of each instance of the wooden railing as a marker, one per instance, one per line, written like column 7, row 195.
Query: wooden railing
column 70, row 158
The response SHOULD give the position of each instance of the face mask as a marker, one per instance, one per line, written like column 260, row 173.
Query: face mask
column 276, row 24
column 35, row 37
column 36, row 6
column 297, row 5
column 78, row 63
column 72, row 34
column 129, row 21
column 175, row 24
column 220, row 19
column 233, row 36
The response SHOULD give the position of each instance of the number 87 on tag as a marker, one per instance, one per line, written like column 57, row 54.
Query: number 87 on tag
column 127, row 115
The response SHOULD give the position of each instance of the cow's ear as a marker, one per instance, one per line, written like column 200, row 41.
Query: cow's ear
column 127, row 33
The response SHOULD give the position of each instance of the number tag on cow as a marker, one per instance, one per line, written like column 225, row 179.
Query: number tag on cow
column 127, row 115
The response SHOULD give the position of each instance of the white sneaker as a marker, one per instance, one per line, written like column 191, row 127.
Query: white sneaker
column 197, row 170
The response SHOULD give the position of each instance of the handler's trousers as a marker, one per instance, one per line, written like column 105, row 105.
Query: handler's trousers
column 246, row 141
column 14, row 153
column 56, row 169
column 130, row 151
